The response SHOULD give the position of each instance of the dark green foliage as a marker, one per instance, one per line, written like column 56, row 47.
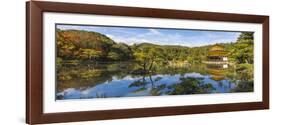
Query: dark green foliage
column 244, row 86
column 246, row 36
column 190, row 86
column 243, row 50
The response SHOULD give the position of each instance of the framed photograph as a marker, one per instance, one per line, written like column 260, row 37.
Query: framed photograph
column 95, row 62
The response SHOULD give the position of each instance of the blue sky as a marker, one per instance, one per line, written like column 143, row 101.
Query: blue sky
column 131, row 35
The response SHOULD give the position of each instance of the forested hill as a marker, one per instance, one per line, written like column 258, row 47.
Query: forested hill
column 84, row 45
column 76, row 44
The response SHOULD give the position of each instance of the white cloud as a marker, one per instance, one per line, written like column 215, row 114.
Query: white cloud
column 154, row 31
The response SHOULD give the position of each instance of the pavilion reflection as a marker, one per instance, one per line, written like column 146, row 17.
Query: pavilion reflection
column 217, row 71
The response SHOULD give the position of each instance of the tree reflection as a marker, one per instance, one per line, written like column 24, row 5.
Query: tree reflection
column 147, row 83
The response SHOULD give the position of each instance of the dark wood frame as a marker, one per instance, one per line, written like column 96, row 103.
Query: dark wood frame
column 34, row 61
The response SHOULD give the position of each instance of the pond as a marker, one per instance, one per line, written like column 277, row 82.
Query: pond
column 116, row 79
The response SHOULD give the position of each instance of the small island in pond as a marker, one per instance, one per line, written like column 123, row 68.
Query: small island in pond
column 106, row 61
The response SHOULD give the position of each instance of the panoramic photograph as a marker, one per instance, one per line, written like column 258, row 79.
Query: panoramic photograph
column 113, row 61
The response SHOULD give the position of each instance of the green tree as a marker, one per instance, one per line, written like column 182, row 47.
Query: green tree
column 90, row 54
column 113, row 56
column 242, row 51
column 141, row 58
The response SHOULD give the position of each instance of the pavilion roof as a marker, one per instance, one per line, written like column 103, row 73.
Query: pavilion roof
column 217, row 47
column 218, row 53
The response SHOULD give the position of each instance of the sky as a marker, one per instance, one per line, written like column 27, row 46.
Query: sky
column 182, row 37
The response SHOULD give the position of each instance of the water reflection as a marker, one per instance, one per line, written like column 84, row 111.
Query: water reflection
column 120, row 83
column 217, row 71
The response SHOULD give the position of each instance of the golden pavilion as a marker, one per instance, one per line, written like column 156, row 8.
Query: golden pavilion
column 217, row 54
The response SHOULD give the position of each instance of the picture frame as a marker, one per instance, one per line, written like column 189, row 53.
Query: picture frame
column 35, row 61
